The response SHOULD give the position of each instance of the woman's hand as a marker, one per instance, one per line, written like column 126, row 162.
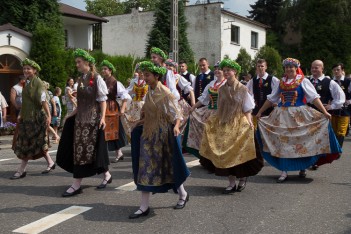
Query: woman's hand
column 327, row 115
column 176, row 131
column 251, row 125
column 102, row 124
column 48, row 121
column 258, row 115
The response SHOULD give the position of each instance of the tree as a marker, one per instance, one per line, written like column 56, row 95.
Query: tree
column 266, row 11
column 26, row 14
column 273, row 58
column 326, row 32
column 105, row 7
column 159, row 35
column 117, row 7
column 244, row 60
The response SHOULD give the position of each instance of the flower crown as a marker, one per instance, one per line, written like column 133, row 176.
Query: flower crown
column 149, row 66
column 31, row 63
column 106, row 63
column 158, row 51
column 231, row 64
column 291, row 61
column 84, row 55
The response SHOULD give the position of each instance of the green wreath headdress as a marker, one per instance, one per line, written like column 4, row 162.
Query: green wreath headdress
column 31, row 63
column 149, row 66
column 84, row 55
column 230, row 63
column 158, row 51
column 107, row 63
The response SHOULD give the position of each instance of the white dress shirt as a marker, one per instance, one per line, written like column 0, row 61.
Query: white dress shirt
column 275, row 82
column 337, row 93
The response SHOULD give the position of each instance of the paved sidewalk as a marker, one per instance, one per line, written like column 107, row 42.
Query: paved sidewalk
column 6, row 142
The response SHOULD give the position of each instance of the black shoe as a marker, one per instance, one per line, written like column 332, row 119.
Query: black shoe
column 302, row 174
column 75, row 192
column 241, row 187
column 103, row 185
column 19, row 176
column 49, row 169
column 229, row 191
column 314, row 168
column 143, row 213
column 282, row 179
column 116, row 160
column 181, row 206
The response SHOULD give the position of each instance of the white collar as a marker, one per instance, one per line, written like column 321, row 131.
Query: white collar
column 185, row 73
column 342, row 78
column 264, row 77
column 319, row 78
column 206, row 73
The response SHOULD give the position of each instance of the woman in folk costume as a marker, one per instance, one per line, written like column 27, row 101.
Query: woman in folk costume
column 183, row 87
column 31, row 139
column 228, row 146
column 158, row 163
column 158, row 57
column 201, row 111
column 295, row 135
column 114, row 132
column 82, row 149
column 137, row 89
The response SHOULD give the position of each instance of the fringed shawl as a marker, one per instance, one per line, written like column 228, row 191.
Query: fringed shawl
column 160, row 109
column 230, row 101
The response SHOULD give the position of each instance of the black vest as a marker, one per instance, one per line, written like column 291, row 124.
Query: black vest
column 345, row 110
column 181, row 92
column 322, row 88
column 260, row 94
column 200, row 85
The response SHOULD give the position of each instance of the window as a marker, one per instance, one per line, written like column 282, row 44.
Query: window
column 235, row 34
column 66, row 38
column 254, row 40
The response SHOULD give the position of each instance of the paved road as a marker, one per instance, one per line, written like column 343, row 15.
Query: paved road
column 321, row 203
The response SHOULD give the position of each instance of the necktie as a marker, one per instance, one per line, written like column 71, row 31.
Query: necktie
column 260, row 82
column 315, row 82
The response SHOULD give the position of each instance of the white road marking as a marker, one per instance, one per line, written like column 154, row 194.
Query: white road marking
column 6, row 159
column 127, row 187
column 131, row 186
column 52, row 151
column 52, row 220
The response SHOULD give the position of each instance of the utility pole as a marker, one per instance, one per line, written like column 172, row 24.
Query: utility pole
column 174, row 30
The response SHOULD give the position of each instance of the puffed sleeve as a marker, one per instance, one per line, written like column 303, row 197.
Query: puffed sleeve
column 122, row 92
column 173, row 110
column 184, row 85
column 309, row 91
column 338, row 96
column 274, row 97
column 102, row 90
column 131, row 86
column 249, row 86
column 249, row 103
column 171, row 84
column 205, row 97
column 43, row 97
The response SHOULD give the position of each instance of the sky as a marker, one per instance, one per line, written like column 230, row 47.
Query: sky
column 237, row 6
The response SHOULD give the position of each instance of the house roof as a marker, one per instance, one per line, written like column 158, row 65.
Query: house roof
column 9, row 26
column 69, row 11
column 244, row 18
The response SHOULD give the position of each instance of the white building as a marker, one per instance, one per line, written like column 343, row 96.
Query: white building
column 15, row 43
column 213, row 32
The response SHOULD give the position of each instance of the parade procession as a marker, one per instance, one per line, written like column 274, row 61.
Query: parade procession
column 167, row 142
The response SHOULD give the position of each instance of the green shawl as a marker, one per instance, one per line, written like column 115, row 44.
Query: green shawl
column 31, row 99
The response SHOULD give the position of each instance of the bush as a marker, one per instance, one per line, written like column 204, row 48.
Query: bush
column 273, row 58
column 245, row 61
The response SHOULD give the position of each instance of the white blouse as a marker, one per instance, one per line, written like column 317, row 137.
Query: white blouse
column 171, row 84
column 307, row 87
column 184, row 84
column 205, row 96
column 122, row 92
column 249, row 103
column 102, row 90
